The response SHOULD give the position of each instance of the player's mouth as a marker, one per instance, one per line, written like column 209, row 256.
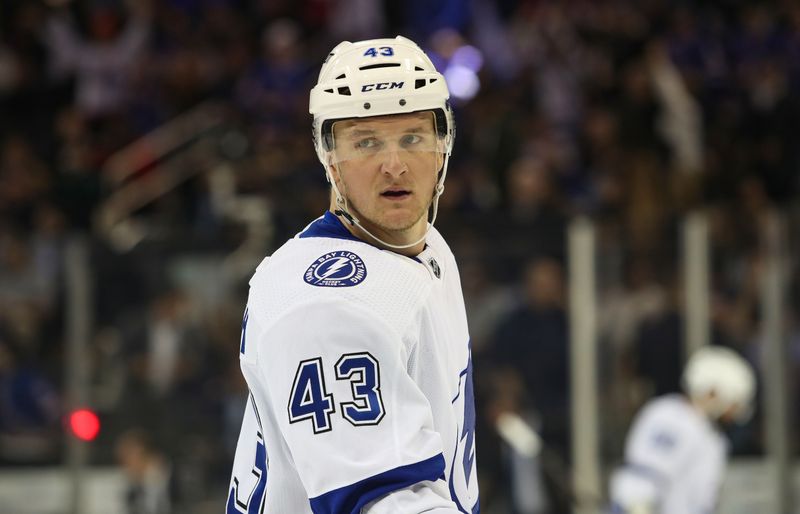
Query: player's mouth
column 396, row 194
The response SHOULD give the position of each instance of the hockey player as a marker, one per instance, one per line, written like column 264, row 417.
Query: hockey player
column 675, row 453
column 354, row 342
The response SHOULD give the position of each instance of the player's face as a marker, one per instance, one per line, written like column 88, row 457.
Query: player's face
column 732, row 416
column 386, row 167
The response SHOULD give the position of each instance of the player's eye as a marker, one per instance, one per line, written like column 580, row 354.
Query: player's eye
column 369, row 143
column 410, row 140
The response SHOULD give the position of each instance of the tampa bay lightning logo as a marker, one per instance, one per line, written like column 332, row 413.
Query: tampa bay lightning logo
column 336, row 269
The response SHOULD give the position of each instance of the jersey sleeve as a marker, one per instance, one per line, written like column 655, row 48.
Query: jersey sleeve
column 359, row 429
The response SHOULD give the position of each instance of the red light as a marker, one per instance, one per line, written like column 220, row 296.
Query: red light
column 84, row 424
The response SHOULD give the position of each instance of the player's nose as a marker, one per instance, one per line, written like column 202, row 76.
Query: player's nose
column 392, row 164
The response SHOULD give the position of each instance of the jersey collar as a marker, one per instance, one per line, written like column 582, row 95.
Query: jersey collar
column 329, row 225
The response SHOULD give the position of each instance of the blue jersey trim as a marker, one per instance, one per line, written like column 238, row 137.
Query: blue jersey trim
column 469, row 426
column 352, row 498
column 476, row 509
column 329, row 225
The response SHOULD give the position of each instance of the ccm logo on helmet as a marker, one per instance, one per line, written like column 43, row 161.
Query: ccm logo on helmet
column 381, row 86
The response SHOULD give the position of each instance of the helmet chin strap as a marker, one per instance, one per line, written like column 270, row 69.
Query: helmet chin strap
column 343, row 210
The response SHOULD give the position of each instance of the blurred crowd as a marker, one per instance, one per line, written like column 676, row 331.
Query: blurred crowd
column 633, row 113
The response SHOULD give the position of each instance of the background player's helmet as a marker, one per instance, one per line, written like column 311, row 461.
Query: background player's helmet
column 724, row 373
column 378, row 77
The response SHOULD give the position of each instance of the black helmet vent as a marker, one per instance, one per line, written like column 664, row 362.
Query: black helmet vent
column 381, row 65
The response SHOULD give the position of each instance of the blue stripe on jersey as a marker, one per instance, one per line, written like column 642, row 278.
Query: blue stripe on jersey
column 467, row 436
column 352, row 498
column 244, row 329
column 329, row 225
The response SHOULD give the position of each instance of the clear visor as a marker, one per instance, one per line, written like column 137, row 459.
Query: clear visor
column 408, row 138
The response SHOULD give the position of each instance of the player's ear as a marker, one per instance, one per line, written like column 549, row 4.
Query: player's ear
column 333, row 173
column 440, row 151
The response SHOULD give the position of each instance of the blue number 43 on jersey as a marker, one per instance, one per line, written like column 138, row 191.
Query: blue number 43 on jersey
column 309, row 399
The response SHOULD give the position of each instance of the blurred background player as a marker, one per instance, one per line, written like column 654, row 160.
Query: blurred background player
column 355, row 344
column 676, row 452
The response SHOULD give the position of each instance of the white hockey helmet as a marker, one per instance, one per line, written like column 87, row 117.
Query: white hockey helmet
column 377, row 77
column 724, row 378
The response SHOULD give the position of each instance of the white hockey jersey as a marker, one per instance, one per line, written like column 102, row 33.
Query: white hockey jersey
column 674, row 460
column 360, row 376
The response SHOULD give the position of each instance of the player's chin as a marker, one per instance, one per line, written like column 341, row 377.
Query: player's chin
column 400, row 212
column 399, row 220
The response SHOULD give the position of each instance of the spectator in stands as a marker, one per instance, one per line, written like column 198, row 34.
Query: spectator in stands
column 104, row 61
column 534, row 222
column 24, row 180
column 29, row 409
column 533, row 343
column 148, row 472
